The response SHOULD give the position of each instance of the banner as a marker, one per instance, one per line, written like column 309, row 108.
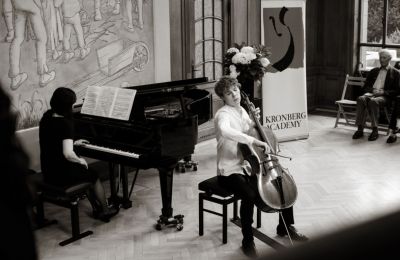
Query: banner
column 284, row 93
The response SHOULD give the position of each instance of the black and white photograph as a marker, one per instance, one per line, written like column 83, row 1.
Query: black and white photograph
column 199, row 129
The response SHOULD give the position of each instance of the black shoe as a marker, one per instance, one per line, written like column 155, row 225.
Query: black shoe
column 106, row 215
column 358, row 134
column 373, row 136
column 294, row 234
column 391, row 139
column 249, row 249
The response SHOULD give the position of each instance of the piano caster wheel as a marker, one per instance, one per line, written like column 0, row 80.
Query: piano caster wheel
column 158, row 226
column 179, row 227
column 185, row 165
column 191, row 165
column 179, row 218
column 176, row 221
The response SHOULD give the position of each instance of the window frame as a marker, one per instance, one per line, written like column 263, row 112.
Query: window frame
column 382, row 45
column 225, row 38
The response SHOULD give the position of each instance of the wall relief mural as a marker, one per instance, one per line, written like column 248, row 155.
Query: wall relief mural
column 46, row 44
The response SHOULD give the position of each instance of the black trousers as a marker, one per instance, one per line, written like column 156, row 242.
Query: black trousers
column 241, row 186
column 395, row 112
column 70, row 174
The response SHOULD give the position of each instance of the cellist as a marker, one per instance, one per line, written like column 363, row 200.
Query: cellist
column 233, row 125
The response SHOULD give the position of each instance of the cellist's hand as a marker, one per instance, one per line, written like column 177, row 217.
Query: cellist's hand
column 263, row 145
column 257, row 113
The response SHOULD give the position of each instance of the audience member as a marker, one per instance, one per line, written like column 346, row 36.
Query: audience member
column 382, row 83
column 395, row 110
column 60, row 165
column 16, row 199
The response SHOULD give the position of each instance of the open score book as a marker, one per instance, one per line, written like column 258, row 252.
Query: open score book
column 111, row 102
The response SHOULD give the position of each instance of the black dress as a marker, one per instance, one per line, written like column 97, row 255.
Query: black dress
column 56, row 169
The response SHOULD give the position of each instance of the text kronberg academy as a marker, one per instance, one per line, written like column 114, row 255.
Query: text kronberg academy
column 285, row 121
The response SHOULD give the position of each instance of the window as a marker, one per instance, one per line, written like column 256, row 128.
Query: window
column 209, row 44
column 379, row 28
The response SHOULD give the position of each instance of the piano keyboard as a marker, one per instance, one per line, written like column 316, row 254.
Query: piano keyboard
column 108, row 150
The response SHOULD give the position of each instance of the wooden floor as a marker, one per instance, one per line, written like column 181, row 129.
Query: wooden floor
column 341, row 182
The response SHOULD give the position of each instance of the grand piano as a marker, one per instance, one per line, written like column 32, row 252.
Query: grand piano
column 162, row 129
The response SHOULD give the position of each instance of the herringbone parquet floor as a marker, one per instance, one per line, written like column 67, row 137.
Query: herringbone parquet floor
column 341, row 182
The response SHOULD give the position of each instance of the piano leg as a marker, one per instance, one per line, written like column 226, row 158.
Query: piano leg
column 114, row 199
column 166, row 219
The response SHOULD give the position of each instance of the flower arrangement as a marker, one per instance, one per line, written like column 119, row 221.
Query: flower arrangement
column 246, row 62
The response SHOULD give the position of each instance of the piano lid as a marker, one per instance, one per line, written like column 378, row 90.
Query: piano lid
column 171, row 94
column 169, row 86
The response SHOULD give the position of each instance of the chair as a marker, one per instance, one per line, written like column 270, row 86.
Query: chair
column 67, row 197
column 212, row 191
column 347, row 105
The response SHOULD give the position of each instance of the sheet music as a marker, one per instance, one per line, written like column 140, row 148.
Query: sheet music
column 112, row 102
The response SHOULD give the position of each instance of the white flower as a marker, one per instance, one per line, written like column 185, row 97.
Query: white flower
column 247, row 49
column 250, row 56
column 233, row 73
column 240, row 58
column 232, row 50
column 264, row 62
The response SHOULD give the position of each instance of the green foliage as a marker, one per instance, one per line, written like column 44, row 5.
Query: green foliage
column 394, row 37
column 375, row 18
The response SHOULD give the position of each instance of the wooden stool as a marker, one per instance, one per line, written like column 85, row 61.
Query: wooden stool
column 68, row 197
column 213, row 192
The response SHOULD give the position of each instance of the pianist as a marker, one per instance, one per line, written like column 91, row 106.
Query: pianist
column 60, row 165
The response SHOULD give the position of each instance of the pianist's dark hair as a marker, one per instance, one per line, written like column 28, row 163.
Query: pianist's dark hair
column 62, row 100
column 223, row 84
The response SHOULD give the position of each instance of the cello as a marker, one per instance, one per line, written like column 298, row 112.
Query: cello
column 275, row 185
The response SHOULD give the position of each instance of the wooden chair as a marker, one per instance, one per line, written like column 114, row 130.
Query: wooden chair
column 347, row 105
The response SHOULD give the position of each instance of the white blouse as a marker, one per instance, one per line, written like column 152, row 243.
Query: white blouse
column 231, row 127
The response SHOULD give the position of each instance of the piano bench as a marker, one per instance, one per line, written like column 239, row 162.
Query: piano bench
column 68, row 197
column 213, row 192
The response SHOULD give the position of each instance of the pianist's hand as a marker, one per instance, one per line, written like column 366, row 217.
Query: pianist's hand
column 83, row 162
column 81, row 141
column 257, row 113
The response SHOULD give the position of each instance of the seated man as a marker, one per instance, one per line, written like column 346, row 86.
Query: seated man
column 393, row 119
column 381, row 83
